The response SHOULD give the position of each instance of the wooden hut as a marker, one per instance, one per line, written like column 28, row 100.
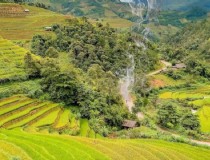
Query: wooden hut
column 179, row 66
column 26, row 10
column 48, row 28
column 129, row 124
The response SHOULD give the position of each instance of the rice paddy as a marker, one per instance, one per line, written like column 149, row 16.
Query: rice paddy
column 36, row 146
column 25, row 27
column 20, row 111
column 11, row 61
column 199, row 96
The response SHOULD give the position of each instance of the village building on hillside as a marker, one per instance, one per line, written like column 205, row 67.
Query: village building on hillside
column 48, row 28
column 179, row 66
column 129, row 124
column 26, row 10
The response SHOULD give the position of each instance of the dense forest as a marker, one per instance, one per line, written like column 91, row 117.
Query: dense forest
column 97, row 56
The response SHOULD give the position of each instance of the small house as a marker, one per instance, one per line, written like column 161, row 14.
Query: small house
column 26, row 10
column 179, row 66
column 48, row 28
column 129, row 124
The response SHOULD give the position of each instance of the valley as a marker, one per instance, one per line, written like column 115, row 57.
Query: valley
column 104, row 80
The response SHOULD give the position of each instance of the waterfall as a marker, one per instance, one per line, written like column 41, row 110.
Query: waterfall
column 146, row 11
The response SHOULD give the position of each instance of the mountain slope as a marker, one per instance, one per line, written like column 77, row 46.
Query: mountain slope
column 185, row 4
column 25, row 26
column 17, row 143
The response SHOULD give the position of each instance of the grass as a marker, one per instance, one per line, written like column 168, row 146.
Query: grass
column 24, row 28
column 48, row 146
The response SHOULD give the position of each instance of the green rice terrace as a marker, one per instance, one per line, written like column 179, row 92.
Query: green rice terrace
column 11, row 61
column 29, row 130
column 17, row 144
column 34, row 115
column 104, row 80
column 198, row 97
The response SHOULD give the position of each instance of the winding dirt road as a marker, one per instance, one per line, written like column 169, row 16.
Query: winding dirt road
column 166, row 65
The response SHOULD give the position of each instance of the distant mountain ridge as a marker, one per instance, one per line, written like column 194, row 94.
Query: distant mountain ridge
column 185, row 4
column 175, row 12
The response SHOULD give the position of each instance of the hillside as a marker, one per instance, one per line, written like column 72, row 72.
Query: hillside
column 74, row 87
column 185, row 4
column 11, row 61
column 41, row 116
column 25, row 26
column 192, row 41
column 18, row 144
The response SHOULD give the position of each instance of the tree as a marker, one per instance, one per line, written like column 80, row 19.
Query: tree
column 168, row 115
column 52, row 53
column 32, row 66
column 190, row 121
column 62, row 87
column 97, row 124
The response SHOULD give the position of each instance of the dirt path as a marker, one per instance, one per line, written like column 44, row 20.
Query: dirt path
column 189, row 139
column 166, row 65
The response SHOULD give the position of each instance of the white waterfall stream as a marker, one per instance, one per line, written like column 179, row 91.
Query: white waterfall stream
column 146, row 10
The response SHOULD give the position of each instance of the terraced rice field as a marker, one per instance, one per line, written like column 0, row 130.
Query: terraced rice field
column 85, row 130
column 25, row 27
column 204, row 117
column 11, row 61
column 63, row 119
column 199, row 96
column 27, row 146
column 20, row 111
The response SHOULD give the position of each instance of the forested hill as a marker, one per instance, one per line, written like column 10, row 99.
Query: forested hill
column 89, row 8
column 192, row 45
column 186, row 4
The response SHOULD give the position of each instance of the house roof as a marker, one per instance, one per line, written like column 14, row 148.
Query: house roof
column 129, row 123
column 179, row 65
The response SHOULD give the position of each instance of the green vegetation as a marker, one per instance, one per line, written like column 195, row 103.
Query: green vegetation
column 24, row 27
column 196, row 97
column 55, row 147
column 71, row 69
column 11, row 61
column 85, row 68
column 63, row 119
column 20, row 111
column 204, row 117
